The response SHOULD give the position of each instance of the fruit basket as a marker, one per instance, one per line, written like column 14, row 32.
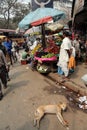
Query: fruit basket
column 43, row 69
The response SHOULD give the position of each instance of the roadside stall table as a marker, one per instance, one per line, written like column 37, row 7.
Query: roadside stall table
column 49, row 62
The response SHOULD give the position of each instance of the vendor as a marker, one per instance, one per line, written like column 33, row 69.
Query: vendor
column 25, row 55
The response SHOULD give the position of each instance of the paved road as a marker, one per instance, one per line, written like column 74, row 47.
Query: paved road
column 26, row 91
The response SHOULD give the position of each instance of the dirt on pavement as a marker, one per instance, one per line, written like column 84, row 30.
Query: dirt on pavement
column 26, row 91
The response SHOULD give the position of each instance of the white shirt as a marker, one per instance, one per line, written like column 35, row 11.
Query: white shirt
column 29, row 43
column 76, row 45
column 66, row 45
column 13, row 46
column 34, row 45
column 19, row 56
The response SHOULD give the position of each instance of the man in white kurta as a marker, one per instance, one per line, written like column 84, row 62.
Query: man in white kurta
column 64, row 54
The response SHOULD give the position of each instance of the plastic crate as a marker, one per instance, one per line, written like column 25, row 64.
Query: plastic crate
column 23, row 62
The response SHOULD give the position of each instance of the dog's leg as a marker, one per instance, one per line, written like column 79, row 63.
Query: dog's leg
column 60, row 117
column 35, row 118
column 41, row 114
column 35, row 121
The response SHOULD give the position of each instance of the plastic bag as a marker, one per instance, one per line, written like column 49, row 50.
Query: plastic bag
column 84, row 79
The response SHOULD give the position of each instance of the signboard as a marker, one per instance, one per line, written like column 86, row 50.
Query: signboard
column 35, row 6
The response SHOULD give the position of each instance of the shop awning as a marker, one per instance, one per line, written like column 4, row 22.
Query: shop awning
column 81, row 17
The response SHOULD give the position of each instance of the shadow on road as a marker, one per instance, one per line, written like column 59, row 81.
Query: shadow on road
column 29, row 125
column 15, row 85
column 17, row 73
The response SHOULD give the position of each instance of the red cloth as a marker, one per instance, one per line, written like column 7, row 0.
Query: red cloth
column 73, row 36
column 43, row 20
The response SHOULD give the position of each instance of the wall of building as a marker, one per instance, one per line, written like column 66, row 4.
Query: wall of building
column 64, row 5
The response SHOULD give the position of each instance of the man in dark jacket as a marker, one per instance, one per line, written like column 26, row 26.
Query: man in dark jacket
column 3, row 69
column 2, row 47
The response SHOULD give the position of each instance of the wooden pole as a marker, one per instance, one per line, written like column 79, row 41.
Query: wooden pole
column 43, row 35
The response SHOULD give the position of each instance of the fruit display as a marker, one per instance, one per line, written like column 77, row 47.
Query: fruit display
column 52, row 47
column 49, row 55
column 40, row 54
column 36, row 49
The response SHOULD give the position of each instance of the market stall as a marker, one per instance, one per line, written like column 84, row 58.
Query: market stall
column 47, row 58
column 41, row 16
column 45, row 62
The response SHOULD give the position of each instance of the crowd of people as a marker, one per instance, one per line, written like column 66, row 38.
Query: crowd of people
column 8, row 50
column 72, row 51
column 9, row 54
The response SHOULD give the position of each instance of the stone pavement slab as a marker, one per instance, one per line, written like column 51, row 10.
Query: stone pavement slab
column 75, row 83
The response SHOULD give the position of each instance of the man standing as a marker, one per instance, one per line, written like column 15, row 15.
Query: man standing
column 3, row 69
column 8, row 45
column 2, row 47
column 76, row 44
column 65, row 54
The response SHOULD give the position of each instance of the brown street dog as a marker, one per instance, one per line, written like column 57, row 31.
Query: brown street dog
column 54, row 109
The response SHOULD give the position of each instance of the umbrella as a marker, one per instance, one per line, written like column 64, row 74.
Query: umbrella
column 41, row 16
column 33, row 30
